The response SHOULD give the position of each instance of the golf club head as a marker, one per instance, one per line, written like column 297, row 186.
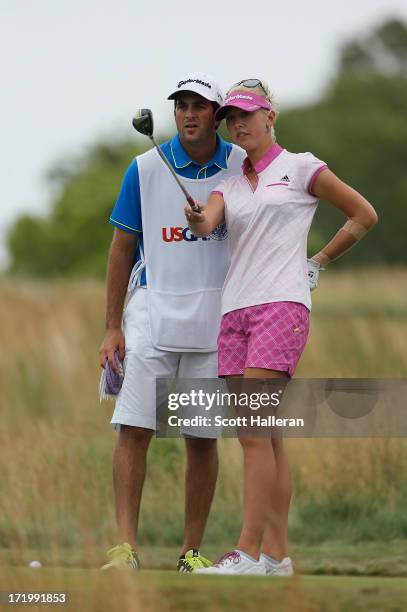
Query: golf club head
column 143, row 122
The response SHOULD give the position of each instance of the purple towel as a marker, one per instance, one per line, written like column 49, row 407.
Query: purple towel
column 111, row 381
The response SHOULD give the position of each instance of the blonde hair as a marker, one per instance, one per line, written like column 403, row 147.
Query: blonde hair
column 261, row 90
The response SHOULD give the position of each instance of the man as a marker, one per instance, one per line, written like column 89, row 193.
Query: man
column 171, row 322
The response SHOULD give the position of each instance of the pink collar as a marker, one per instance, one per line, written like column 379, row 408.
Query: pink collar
column 264, row 161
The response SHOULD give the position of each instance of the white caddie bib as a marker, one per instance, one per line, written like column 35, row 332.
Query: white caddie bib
column 185, row 274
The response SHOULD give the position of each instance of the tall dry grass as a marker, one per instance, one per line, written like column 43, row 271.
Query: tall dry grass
column 56, row 445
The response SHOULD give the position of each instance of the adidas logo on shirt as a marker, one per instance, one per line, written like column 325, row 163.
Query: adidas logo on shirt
column 285, row 179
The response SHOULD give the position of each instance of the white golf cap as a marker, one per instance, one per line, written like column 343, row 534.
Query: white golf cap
column 201, row 83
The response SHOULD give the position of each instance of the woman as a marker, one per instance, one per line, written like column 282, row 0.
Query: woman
column 266, row 301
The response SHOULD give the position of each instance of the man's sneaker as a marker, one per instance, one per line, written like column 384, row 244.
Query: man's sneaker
column 235, row 563
column 122, row 556
column 277, row 568
column 191, row 561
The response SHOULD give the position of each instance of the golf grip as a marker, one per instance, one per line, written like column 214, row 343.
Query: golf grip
column 189, row 198
column 192, row 204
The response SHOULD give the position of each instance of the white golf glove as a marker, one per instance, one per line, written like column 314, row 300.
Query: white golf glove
column 313, row 273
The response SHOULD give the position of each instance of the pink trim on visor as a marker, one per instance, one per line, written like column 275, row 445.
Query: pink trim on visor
column 246, row 101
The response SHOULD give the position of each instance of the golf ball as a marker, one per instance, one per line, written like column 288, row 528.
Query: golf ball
column 35, row 564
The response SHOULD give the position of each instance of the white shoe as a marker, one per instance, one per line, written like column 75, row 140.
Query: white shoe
column 234, row 563
column 283, row 568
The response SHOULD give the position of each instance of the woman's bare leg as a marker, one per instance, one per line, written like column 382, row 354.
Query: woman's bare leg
column 267, row 488
column 275, row 542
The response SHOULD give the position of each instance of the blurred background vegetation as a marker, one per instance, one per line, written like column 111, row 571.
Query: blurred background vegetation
column 358, row 126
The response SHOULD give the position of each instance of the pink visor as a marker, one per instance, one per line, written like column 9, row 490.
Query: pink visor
column 244, row 100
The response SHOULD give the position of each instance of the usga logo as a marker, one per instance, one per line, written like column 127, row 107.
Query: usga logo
column 177, row 234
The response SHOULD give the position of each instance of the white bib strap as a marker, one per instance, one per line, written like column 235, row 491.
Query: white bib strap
column 135, row 276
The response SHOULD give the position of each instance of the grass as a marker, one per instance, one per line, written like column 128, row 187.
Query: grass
column 56, row 445
column 92, row 590
column 327, row 558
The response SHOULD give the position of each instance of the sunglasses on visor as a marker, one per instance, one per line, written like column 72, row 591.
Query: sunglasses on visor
column 250, row 83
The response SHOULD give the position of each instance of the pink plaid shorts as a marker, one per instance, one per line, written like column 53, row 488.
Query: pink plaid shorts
column 270, row 336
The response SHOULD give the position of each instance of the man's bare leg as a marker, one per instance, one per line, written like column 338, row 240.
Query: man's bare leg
column 129, row 470
column 200, row 483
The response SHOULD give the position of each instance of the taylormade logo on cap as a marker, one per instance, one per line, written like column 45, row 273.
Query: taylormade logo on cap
column 245, row 101
column 238, row 97
column 200, row 83
column 181, row 83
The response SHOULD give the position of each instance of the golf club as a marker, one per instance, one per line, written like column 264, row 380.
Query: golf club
column 144, row 124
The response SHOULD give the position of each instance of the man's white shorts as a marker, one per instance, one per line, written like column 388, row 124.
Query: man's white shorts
column 136, row 402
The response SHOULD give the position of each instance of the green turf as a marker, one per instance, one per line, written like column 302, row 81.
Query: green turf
column 365, row 583
column 327, row 558
column 92, row 590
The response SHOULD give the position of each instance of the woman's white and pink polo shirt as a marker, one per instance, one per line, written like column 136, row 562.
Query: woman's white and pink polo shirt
column 268, row 229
